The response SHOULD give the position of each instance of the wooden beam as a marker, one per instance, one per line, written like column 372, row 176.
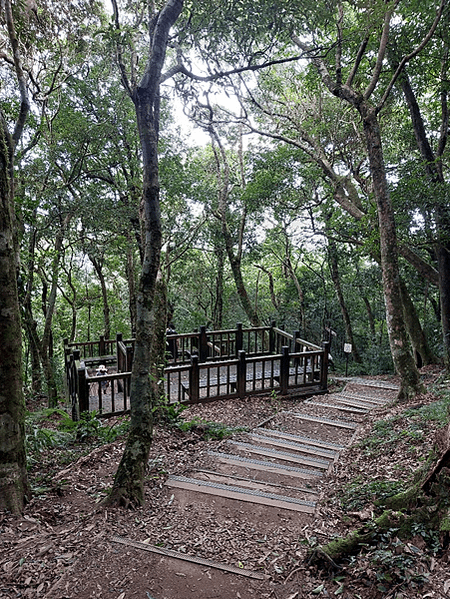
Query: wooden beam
column 189, row 558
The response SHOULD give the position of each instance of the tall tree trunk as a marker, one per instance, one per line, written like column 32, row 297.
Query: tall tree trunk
column 360, row 100
column 370, row 316
column 217, row 313
column 49, row 304
column 158, row 353
column 128, row 487
column 234, row 256
column 335, row 277
column 422, row 350
column 241, row 289
column 106, row 310
column 14, row 486
column 29, row 320
column 398, row 339
column 301, row 298
column 433, row 167
column 131, row 280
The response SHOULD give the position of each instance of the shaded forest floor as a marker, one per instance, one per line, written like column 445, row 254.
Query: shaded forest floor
column 63, row 546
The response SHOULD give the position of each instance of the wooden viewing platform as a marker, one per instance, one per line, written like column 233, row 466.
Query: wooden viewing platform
column 209, row 365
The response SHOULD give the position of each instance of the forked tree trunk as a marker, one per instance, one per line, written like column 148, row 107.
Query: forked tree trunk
column 433, row 168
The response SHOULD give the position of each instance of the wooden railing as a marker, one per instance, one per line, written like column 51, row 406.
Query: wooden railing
column 209, row 365
column 246, row 375
column 226, row 344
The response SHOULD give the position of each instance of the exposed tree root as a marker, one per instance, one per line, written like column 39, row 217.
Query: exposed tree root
column 427, row 502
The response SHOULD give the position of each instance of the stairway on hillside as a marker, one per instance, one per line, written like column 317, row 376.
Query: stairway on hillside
column 278, row 466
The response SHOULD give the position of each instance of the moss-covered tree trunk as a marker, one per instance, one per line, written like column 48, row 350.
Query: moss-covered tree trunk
column 398, row 338
column 158, row 357
column 14, row 487
column 424, row 502
column 128, row 487
column 131, row 280
column 13, row 474
column 422, row 350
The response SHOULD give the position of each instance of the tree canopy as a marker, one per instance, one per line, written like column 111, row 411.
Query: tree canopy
column 315, row 193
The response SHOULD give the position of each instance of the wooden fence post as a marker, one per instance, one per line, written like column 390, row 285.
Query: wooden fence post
column 239, row 342
column 101, row 346
column 203, row 345
column 72, row 379
column 324, row 366
column 194, row 380
column 241, row 374
column 284, row 370
column 130, row 354
column 272, row 337
column 83, row 389
column 297, row 347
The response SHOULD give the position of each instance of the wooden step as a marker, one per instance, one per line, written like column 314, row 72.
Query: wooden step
column 319, row 419
column 285, row 443
column 366, row 398
column 251, row 496
column 376, row 384
column 240, row 481
column 265, row 466
column 189, row 558
column 355, row 402
column 338, row 407
column 300, row 439
column 281, row 455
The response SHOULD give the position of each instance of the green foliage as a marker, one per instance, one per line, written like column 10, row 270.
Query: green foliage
column 438, row 411
column 170, row 414
column 395, row 563
column 358, row 494
column 65, row 432
column 37, row 439
column 387, row 433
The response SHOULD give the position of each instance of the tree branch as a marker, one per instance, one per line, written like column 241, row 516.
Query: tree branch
column 413, row 54
column 24, row 100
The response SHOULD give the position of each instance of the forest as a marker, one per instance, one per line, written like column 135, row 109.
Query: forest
column 213, row 163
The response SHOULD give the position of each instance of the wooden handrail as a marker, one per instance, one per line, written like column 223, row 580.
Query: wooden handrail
column 236, row 374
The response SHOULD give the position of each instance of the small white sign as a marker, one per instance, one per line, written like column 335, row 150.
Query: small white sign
column 347, row 348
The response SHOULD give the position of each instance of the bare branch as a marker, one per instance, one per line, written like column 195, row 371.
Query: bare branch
column 180, row 68
column 123, row 71
column 414, row 53
column 24, row 100
column 381, row 52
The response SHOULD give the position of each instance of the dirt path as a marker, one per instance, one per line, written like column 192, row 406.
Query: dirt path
column 242, row 508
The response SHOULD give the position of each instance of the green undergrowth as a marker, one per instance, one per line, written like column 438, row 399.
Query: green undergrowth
column 53, row 429
column 400, row 434
column 208, row 430
column 408, row 525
